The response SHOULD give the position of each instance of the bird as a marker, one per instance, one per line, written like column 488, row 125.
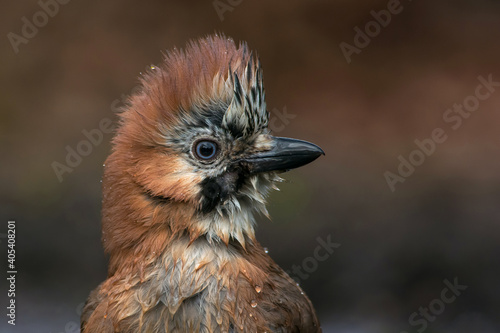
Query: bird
column 192, row 163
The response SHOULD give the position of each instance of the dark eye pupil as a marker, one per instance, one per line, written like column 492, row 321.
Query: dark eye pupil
column 206, row 149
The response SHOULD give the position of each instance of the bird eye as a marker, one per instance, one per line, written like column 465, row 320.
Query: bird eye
column 205, row 149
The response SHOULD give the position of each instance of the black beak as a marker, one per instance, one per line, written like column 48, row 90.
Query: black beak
column 285, row 155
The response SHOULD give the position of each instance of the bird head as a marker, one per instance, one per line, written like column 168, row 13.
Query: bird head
column 193, row 153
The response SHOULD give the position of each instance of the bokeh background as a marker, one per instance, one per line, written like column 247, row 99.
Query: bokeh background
column 396, row 248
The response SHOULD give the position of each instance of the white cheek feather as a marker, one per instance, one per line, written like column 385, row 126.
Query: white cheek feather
column 234, row 218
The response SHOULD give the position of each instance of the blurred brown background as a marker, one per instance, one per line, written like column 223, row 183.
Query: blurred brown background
column 396, row 247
